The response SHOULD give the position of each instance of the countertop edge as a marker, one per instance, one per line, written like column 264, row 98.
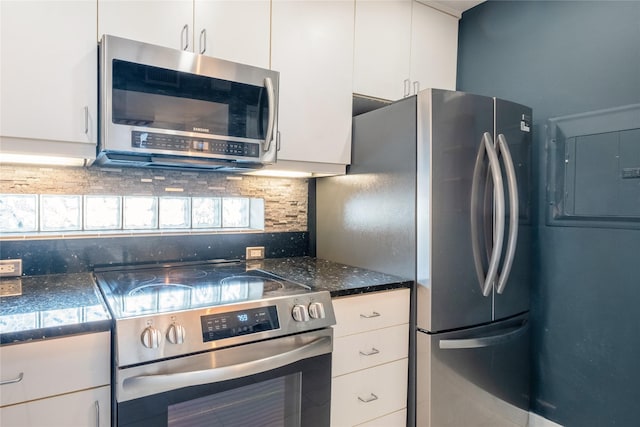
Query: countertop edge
column 42, row 334
column 373, row 288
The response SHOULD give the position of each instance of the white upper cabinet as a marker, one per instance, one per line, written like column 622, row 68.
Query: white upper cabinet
column 382, row 48
column 312, row 48
column 234, row 30
column 163, row 22
column 228, row 29
column 48, row 77
column 402, row 46
column 434, row 48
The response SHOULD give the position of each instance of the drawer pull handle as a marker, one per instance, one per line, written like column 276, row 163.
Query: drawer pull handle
column 13, row 381
column 370, row 316
column 371, row 398
column 371, row 352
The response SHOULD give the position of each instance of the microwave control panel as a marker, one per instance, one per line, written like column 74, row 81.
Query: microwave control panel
column 161, row 141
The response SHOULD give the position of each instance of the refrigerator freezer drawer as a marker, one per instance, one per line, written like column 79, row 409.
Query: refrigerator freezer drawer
column 476, row 376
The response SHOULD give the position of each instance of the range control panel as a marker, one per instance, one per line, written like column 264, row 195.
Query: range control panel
column 161, row 141
column 240, row 322
column 142, row 339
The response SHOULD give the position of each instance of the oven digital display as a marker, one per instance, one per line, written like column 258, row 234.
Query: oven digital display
column 236, row 323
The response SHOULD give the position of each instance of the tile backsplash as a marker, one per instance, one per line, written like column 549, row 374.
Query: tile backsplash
column 285, row 199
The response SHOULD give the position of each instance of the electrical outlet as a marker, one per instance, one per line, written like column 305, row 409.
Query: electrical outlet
column 10, row 287
column 255, row 252
column 10, row 267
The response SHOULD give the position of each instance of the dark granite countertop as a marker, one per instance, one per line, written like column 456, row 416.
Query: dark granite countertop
column 56, row 305
column 338, row 279
column 51, row 306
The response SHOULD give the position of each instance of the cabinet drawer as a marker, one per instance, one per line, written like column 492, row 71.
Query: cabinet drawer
column 367, row 312
column 54, row 366
column 361, row 351
column 84, row 408
column 397, row 419
column 368, row 394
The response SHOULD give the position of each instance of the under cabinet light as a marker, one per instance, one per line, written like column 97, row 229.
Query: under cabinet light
column 41, row 160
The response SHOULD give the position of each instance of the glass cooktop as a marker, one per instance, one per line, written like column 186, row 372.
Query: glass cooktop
column 136, row 291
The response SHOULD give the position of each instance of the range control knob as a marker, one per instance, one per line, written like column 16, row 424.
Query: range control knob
column 175, row 334
column 151, row 337
column 316, row 310
column 300, row 313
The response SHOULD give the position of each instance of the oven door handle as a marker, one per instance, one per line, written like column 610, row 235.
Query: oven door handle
column 172, row 381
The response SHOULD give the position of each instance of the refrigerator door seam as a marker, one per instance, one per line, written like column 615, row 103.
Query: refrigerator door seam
column 496, row 172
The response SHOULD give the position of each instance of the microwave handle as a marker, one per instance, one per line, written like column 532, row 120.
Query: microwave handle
column 271, row 100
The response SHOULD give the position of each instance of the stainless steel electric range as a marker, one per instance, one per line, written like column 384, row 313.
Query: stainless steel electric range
column 216, row 343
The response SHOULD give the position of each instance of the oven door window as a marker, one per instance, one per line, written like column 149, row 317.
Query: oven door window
column 298, row 394
column 274, row 402
column 159, row 98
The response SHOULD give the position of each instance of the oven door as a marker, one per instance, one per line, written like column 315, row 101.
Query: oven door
column 282, row 382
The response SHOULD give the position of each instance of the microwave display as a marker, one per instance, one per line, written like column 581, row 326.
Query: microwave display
column 158, row 98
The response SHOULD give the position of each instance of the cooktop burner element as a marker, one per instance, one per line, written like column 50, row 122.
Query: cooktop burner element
column 157, row 289
column 268, row 285
column 170, row 310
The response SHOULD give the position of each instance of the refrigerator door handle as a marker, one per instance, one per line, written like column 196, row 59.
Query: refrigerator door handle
column 499, row 213
column 510, row 334
column 513, row 213
column 476, row 213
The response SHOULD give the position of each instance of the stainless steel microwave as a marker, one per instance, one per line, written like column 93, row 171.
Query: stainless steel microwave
column 162, row 107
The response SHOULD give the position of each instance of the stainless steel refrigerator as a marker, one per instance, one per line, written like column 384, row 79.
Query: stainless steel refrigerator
column 439, row 192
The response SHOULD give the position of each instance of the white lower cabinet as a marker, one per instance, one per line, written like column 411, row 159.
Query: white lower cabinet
column 57, row 382
column 370, row 359
column 83, row 408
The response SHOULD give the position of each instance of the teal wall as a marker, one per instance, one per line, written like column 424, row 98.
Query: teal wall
column 560, row 58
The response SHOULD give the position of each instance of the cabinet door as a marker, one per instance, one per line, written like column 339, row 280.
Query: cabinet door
column 434, row 48
column 312, row 48
column 367, row 312
column 48, row 72
column 368, row 394
column 84, row 408
column 158, row 22
column 382, row 41
column 52, row 367
column 367, row 349
column 237, row 31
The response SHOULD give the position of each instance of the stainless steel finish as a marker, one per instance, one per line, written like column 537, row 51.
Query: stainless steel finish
column 407, row 87
column 203, row 41
column 369, row 316
column 221, row 365
column 97, row 408
column 86, row 119
column 502, row 338
column 13, row 381
column 469, row 385
column 130, row 350
column 268, row 84
column 116, row 138
column 513, row 211
column 498, row 236
column 476, row 214
column 184, row 37
column 371, row 352
column 372, row 397
column 414, row 205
